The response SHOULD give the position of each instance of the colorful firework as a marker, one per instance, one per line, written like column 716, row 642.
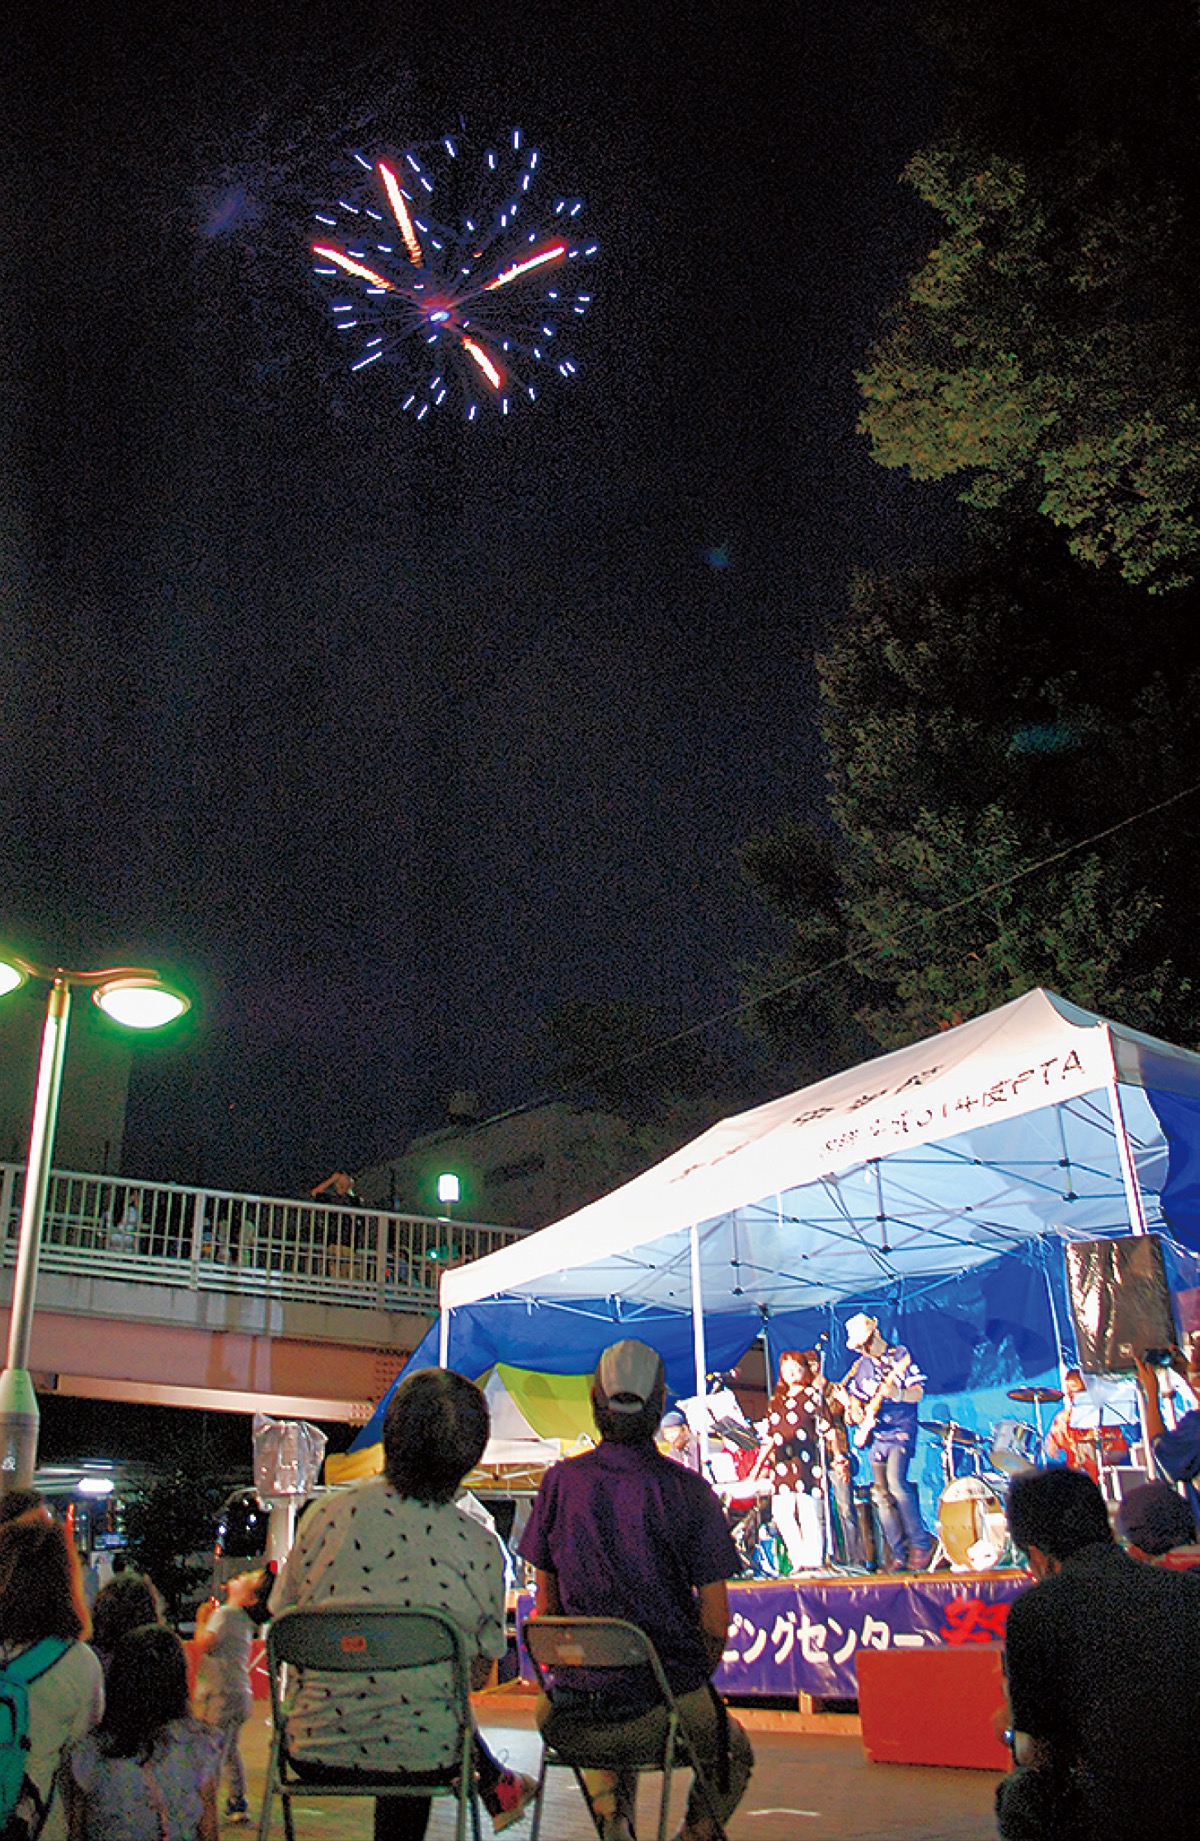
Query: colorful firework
column 445, row 266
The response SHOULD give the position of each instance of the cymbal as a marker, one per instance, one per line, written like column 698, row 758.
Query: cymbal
column 1034, row 1396
column 946, row 1428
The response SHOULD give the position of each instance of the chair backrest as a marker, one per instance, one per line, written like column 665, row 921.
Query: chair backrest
column 592, row 1643
column 364, row 1640
column 370, row 1640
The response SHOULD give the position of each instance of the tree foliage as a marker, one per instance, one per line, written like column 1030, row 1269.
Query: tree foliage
column 1048, row 348
column 170, row 1528
column 977, row 726
column 990, row 732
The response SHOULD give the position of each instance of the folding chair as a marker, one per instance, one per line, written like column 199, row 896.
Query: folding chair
column 596, row 1643
column 342, row 1640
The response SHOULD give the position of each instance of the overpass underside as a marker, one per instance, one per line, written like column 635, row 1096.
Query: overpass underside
column 156, row 1294
column 290, row 1363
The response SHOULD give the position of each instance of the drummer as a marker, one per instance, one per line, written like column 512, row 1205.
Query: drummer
column 1080, row 1445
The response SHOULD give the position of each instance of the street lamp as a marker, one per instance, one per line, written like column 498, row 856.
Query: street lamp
column 139, row 999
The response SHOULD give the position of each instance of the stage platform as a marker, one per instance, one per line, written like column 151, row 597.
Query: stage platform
column 798, row 1639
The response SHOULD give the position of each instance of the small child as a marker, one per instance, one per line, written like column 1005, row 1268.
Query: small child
column 148, row 1771
column 125, row 1603
column 223, row 1694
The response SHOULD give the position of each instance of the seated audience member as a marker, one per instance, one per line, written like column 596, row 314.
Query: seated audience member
column 624, row 1532
column 399, row 1540
column 41, row 1597
column 1156, row 1524
column 1103, row 1662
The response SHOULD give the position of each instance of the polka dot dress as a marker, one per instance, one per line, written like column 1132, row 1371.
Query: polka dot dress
column 795, row 1457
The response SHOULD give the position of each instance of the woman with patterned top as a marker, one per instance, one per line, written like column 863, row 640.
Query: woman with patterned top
column 399, row 1540
column 791, row 1457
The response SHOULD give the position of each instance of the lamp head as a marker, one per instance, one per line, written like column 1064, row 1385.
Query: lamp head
column 12, row 975
column 140, row 1000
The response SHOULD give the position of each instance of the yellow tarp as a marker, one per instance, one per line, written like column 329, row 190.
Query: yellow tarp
column 553, row 1405
column 556, row 1405
column 352, row 1466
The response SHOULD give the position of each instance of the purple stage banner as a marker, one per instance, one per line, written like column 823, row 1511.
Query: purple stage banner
column 795, row 1637
column 789, row 1637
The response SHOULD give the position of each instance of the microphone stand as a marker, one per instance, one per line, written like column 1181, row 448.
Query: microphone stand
column 823, row 1424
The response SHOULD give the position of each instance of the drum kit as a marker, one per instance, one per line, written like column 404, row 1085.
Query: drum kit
column 972, row 1526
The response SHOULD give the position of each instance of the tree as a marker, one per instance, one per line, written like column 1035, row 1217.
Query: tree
column 170, row 1528
column 1048, row 350
column 976, row 725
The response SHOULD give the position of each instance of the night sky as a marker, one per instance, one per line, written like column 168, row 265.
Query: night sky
column 392, row 736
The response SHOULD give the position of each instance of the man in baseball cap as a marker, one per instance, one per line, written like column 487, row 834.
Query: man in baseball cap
column 630, row 1374
column 624, row 1532
column 880, row 1393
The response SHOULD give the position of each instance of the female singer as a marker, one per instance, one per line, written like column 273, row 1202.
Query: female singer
column 791, row 1456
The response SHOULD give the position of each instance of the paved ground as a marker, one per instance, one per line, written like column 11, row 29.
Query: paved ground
column 807, row 1786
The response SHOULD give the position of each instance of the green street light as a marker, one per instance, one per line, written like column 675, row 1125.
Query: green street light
column 139, row 999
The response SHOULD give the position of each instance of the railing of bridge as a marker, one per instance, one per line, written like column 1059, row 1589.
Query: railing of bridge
column 212, row 1240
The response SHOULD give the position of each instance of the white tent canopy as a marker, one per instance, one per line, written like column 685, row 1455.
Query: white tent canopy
column 1034, row 1119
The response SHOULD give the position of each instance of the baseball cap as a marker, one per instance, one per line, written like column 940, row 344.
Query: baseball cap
column 860, row 1330
column 628, row 1374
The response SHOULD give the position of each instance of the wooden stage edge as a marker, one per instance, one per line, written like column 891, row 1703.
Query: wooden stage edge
column 512, row 1703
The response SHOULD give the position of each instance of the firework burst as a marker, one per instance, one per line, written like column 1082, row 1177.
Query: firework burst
column 448, row 267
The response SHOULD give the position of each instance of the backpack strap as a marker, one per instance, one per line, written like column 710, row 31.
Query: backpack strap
column 37, row 1660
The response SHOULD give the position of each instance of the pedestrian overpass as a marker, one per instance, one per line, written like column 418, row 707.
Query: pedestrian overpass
column 174, row 1296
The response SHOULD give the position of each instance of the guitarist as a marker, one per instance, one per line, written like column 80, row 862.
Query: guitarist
column 881, row 1392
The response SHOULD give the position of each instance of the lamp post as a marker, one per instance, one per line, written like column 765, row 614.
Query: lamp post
column 139, row 999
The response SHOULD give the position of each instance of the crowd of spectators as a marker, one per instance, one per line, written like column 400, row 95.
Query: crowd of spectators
column 1102, row 1651
column 119, row 1748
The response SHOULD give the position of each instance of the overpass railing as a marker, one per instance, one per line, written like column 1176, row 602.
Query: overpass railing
column 211, row 1240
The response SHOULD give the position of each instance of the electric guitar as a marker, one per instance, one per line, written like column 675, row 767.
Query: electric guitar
column 864, row 1431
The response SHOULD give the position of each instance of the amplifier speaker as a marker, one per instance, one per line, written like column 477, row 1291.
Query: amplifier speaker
column 1120, row 1301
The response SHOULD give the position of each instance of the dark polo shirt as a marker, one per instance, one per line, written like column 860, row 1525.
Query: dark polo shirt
column 630, row 1534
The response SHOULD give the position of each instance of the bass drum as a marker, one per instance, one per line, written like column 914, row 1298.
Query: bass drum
column 973, row 1527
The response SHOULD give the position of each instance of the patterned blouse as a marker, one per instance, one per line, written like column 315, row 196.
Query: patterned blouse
column 369, row 1546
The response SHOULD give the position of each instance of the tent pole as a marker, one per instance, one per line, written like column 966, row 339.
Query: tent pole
column 700, row 1353
column 1048, row 1248
column 444, row 1338
column 1133, row 1195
